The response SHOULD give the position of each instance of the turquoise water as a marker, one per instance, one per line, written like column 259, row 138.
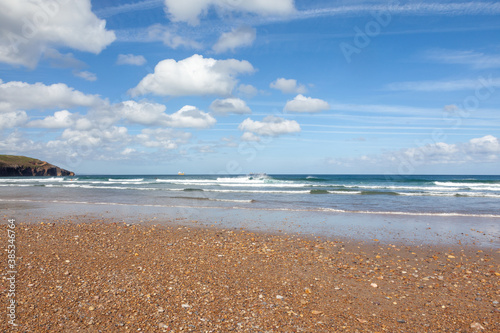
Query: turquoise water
column 373, row 194
column 412, row 207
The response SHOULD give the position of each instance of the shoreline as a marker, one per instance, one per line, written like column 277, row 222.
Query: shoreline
column 91, row 274
column 421, row 230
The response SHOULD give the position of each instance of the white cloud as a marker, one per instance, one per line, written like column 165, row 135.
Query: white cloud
column 15, row 95
column 13, row 119
column 243, row 36
column 459, row 57
column 306, row 104
column 394, row 8
column 59, row 60
column 249, row 136
column 190, row 116
column 60, row 119
column 29, row 27
column 16, row 143
column 86, row 75
column 153, row 114
column 190, row 10
column 452, row 85
column 288, row 86
column 230, row 105
column 95, row 137
column 193, row 76
column 487, row 146
column 143, row 113
column 485, row 149
column 128, row 151
column 130, row 59
column 163, row 138
column 169, row 37
column 247, row 90
column 270, row 126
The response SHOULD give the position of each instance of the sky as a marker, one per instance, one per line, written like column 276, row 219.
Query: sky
column 233, row 86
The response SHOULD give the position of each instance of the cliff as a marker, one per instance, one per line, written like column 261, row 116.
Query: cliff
column 13, row 166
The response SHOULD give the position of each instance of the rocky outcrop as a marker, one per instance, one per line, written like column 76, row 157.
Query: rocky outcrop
column 21, row 166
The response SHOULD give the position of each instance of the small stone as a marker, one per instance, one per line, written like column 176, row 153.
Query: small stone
column 91, row 308
column 476, row 326
column 279, row 297
column 479, row 299
column 374, row 285
column 401, row 321
column 160, row 309
column 307, row 290
column 495, row 302
column 316, row 312
column 186, row 305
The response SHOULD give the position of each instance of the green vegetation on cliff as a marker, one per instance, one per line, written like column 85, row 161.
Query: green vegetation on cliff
column 13, row 165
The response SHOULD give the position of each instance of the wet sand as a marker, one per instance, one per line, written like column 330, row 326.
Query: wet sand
column 99, row 275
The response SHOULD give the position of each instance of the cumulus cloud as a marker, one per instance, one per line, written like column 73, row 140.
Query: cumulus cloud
column 288, row 86
column 485, row 149
column 16, row 95
column 29, row 27
column 190, row 116
column 60, row 119
column 144, row 113
column 190, row 10
column 269, row 126
column 240, row 37
column 130, row 59
column 230, row 105
column 13, row 119
column 153, row 114
column 163, row 138
column 195, row 75
column 306, row 104
column 249, row 136
column 128, row 151
column 95, row 137
column 247, row 90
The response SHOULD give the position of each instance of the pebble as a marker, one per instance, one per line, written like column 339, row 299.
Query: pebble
column 198, row 273
column 477, row 326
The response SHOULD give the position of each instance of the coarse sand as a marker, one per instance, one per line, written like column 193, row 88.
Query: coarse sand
column 90, row 275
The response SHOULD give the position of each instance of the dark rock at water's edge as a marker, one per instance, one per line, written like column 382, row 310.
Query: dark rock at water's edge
column 22, row 166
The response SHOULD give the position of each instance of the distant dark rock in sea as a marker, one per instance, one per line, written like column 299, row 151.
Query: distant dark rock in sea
column 22, row 166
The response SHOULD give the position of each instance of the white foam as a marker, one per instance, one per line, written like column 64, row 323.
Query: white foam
column 126, row 180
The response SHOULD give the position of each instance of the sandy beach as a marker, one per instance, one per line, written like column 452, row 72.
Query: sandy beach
column 95, row 275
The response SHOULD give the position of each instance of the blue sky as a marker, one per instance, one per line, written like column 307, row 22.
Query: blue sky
column 232, row 86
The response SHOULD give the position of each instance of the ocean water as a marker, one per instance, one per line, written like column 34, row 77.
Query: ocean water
column 326, row 199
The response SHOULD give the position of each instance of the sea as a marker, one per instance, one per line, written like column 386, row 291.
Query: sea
column 464, row 208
